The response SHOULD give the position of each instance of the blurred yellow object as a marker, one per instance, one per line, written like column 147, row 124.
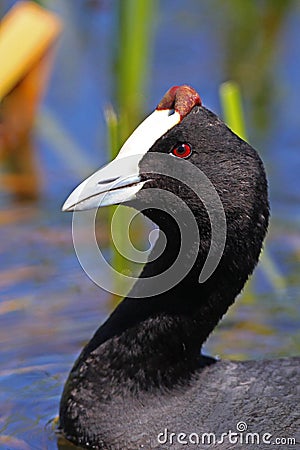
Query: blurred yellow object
column 27, row 35
column 26, row 32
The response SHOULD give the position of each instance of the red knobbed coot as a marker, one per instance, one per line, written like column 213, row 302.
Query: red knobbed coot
column 141, row 381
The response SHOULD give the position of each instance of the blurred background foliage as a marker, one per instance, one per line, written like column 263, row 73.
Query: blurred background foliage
column 114, row 60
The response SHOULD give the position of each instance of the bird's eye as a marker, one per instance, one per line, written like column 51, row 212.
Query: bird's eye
column 182, row 151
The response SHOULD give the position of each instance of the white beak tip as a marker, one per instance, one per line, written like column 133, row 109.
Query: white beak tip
column 66, row 208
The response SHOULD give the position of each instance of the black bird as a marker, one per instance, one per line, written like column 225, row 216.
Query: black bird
column 142, row 382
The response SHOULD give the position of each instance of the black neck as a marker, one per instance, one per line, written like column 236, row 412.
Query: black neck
column 163, row 334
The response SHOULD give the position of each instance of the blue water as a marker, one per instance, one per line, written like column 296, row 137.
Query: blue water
column 49, row 308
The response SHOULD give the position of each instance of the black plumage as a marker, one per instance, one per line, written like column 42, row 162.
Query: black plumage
column 143, row 373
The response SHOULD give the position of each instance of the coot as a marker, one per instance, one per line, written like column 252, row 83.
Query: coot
column 141, row 381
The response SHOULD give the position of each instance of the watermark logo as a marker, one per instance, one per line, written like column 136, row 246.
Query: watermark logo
column 163, row 166
column 241, row 426
column 241, row 435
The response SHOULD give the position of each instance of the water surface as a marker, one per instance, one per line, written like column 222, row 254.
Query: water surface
column 49, row 308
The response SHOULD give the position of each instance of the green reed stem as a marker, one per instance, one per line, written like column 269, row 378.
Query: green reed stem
column 135, row 19
column 134, row 43
column 232, row 108
column 231, row 101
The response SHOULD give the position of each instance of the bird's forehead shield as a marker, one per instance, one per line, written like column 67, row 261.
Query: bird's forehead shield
column 120, row 180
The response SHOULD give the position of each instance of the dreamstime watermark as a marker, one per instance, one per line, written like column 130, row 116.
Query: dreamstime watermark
column 240, row 435
column 92, row 258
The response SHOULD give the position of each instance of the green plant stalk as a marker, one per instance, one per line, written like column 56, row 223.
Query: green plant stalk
column 277, row 280
column 233, row 116
column 135, row 18
column 232, row 108
column 41, row 2
column 231, row 101
column 113, row 145
column 112, row 131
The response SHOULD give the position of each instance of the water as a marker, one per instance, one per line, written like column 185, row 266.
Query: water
column 49, row 308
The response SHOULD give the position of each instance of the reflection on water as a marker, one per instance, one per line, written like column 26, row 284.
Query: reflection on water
column 48, row 307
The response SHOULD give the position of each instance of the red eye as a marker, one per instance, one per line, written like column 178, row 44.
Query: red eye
column 182, row 151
